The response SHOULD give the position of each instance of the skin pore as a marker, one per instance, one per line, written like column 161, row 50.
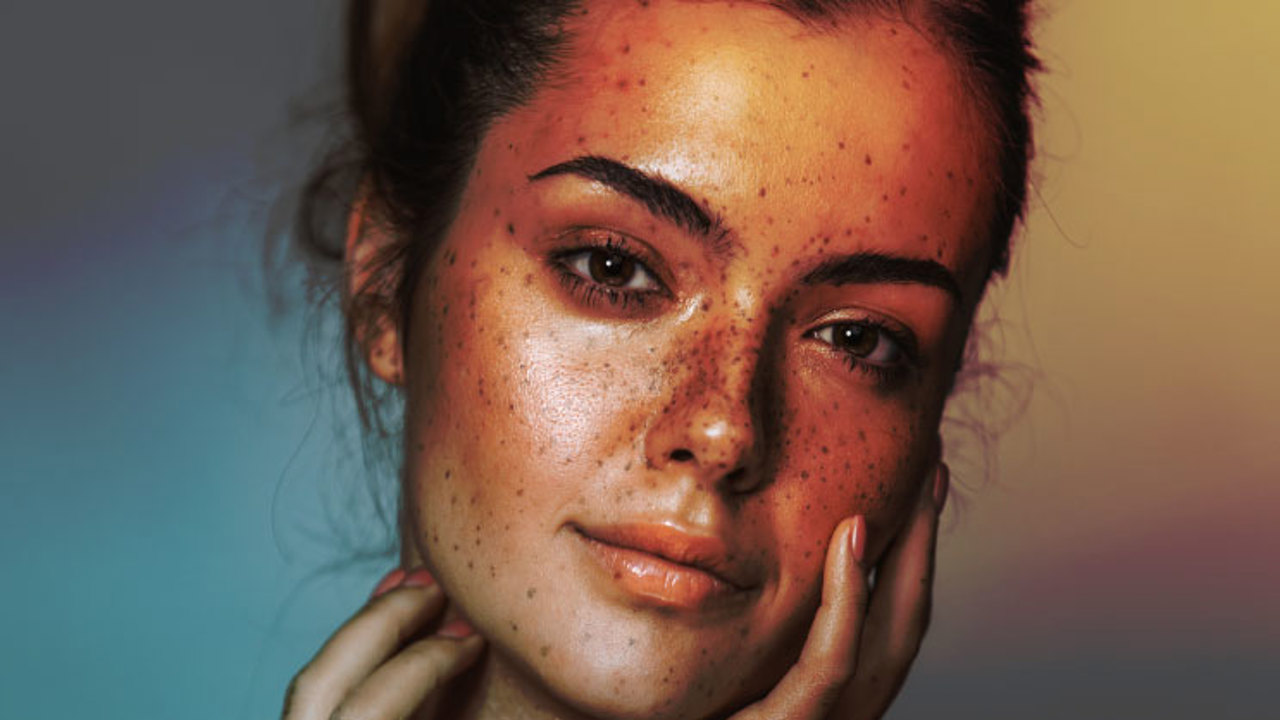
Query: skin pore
column 715, row 278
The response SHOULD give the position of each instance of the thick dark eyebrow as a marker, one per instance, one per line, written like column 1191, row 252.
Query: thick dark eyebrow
column 658, row 195
column 871, row 267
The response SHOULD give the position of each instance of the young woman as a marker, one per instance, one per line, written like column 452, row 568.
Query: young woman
column 674, row 294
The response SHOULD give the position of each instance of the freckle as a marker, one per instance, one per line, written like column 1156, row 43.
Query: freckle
column 626, row 49
column 622, row 84
column 867, row 159
column 924, row 238
column 805, row 74
column 581, row 139
column 531, row 592
column 546, row 649
column 902, row 190
column 906, row 85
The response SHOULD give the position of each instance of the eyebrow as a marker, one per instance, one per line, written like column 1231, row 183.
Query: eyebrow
column 657, row 194
column 868, row 268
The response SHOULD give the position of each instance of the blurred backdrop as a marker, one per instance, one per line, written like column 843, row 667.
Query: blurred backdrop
column 168, row 451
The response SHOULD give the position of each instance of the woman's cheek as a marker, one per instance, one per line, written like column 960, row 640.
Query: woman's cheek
column 847, row 454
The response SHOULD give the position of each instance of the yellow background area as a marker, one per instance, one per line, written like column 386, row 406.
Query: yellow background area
column 1135, row 512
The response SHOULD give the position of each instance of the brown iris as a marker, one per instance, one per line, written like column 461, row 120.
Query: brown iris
column 855, row 339
column 611, row 268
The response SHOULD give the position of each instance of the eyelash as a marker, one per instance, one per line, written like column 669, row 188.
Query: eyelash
column 883, row 375
column 592, row 293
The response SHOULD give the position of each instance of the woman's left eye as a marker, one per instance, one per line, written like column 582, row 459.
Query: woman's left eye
column 613, row 269
column 864, row 342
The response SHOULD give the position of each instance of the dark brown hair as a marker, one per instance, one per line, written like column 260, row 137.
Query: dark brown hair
column 426, row 79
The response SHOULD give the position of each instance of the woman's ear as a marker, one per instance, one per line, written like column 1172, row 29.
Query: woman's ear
column 370, row 292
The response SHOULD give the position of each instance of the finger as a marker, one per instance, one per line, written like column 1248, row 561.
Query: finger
column 901, row 604
column 380, row 628
column 390, row 581
column 830, row 653
column 405, row 682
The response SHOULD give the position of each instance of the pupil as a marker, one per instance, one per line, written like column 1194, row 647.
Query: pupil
column 610, row 268
column 857, row 339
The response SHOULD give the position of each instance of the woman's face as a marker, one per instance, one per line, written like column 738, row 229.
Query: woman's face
column 703, row 299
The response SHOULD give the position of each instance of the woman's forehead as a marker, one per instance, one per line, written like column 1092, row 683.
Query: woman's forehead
column 861, row 132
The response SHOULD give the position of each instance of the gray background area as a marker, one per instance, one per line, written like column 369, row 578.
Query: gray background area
column 167, row 452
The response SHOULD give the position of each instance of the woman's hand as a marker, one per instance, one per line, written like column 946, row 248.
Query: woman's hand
column 373, row 668
column 863, row 640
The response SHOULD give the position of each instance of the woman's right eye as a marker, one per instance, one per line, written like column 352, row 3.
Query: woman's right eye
column 612, row 268
column 603, row 267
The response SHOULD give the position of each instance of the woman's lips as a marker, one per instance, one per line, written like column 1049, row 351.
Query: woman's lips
column 664, row 566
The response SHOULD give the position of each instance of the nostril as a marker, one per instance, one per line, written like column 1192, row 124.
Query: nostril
column 681, row 455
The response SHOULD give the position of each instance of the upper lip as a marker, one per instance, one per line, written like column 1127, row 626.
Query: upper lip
column 669, row 542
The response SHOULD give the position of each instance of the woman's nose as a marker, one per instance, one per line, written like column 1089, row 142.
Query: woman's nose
column 710, row 426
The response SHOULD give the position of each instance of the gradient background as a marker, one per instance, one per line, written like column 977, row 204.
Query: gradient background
column 167, row 454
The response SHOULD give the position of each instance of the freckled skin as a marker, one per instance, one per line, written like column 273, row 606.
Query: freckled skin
column 713, row 405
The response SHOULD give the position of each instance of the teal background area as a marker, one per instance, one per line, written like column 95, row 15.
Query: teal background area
column 166, row 445
column 171, row 452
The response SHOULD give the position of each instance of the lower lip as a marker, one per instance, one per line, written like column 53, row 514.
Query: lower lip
column 657, row 581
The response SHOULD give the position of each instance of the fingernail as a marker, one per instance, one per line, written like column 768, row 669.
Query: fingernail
column 457, row 629
column 858, row 538
column 419, row 578
column 941, row 486
column 388, row 581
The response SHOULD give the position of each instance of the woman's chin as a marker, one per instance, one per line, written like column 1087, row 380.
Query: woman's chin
column 655, row 676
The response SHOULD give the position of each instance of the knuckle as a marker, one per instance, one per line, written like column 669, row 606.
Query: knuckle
column 342, row 713
column 827, row 675
column 432, row 656
column 290, row 693
column 298, row 689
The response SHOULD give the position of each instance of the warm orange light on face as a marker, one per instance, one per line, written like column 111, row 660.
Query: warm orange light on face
column 688, row 319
